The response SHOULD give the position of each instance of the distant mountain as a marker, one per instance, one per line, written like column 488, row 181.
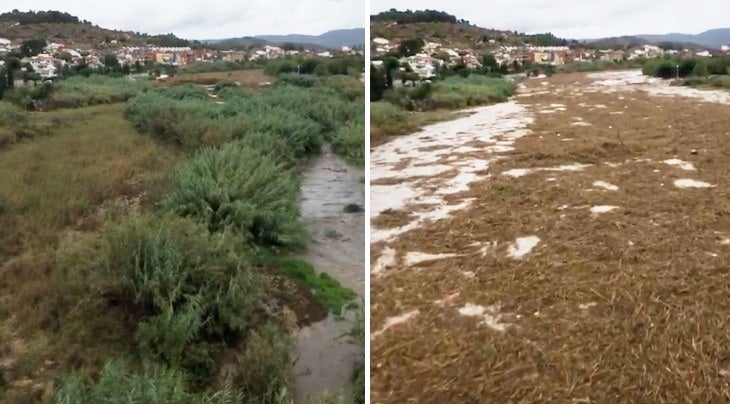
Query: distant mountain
column 713, row 38
column 332, row 39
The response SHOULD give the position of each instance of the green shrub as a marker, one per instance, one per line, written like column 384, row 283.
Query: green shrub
column 382, row 113
column 187, row 292
column 79, row 91
column 262, row 370
column 349, row 141
column 239, row 188
column 298, row 80
column 117, row 384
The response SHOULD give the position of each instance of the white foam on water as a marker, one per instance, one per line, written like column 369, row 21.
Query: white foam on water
column 415, row 257
column 386, row 259
column 519, row 172
column 602, row 209
column 393, row 321
column 605, row 185
column 690, row 183
column 432, row 154
column 471, row 310
column 522, row 246
column 490, row 315
column 682, row 164
column 585, row 306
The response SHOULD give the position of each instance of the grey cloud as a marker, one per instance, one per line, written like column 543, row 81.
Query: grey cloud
column 210, row 19
column 579, row 18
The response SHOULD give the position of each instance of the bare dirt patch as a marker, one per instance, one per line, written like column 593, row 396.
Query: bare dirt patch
column 251, row 78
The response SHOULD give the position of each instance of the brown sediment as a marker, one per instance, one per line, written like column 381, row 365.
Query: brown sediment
column 630, row 305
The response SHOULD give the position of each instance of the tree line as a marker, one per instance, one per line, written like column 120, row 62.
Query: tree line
column 39, row 17
column 408, row 16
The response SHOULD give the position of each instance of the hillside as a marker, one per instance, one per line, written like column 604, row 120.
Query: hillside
column 436, row 26
column 64, row 28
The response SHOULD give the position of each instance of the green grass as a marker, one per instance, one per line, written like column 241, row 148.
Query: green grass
column 92, row 156
column 78, row 91
column 16, row 124
column 387, row 120
column 326, row 289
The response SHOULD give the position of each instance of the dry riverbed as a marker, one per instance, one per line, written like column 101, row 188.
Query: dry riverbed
column 572, row 244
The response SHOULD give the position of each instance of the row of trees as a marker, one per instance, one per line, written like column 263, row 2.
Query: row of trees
column 39, row 17
column 669, row 67
column 408, row 16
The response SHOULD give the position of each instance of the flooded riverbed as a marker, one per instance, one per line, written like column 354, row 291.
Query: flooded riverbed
column 325, row 359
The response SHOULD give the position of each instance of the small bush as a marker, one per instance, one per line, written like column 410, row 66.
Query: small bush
column 238, row 188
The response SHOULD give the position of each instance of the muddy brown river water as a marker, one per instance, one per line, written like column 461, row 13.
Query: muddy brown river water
column 324, row 359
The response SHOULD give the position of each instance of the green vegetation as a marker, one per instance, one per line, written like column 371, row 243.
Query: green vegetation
column 162, row 255
column 300, row 116
column 687, row 67
column 153, row 384
column 328, row 290
column 236, row 187
column 600, row 65
column 408, row 16
column 712, row 72
column 16, row 124
column 348, row 65
column 75, row 92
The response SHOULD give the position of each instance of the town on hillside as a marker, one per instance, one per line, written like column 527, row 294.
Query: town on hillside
column 42, row 60
column 426, row 58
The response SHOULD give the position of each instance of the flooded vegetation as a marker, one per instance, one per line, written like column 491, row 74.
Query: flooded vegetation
column 576, row 230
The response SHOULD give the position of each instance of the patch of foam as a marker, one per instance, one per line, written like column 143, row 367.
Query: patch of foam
column 580, row 123
column 519, row 172
column 432, row 154
column 522, row 246
column 471, row 310
column 682, row 164
column 386, row 259
column 415, row 257
column 490, row 315
column 585, row 306
column 605, row 185
column 393, row 321
column 690, row 183
column 724, row 241
column 602, row 209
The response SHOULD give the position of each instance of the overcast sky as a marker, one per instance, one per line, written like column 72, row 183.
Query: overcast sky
column 209, row 19
column 580, row 19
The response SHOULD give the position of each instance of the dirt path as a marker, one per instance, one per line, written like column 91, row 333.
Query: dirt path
column 570, row 245
column 326, row 359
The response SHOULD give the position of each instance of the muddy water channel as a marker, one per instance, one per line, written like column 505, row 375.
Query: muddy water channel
column 325, row 359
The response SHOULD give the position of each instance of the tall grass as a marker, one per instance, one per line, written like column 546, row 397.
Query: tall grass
column 458, row 92
column 78, row 91
column 188, row 295
column 17, row 124
column 153, row 384
column 238, row 188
